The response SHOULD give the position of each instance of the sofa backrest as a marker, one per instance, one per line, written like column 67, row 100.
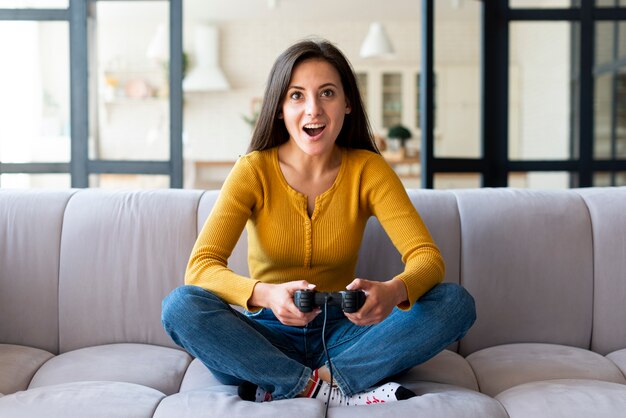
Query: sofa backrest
column 607, row 210
column 89, row 267
column 121, row 254
column 527, row 257
column 30, row 240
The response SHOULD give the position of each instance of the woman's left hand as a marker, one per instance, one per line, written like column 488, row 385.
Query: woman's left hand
column 381, row 298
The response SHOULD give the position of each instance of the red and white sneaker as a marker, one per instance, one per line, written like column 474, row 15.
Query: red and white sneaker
column 389, row 392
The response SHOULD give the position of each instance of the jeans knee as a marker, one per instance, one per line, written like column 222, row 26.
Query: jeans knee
column 183, row 302
column 458, row 297
column 172, row 304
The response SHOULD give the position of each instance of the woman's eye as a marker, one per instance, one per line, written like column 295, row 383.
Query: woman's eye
column 295, row 95
column 327, row 93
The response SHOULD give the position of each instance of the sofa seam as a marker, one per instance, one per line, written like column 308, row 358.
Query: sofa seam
column 461, row 283
column 156, row 408
column 593, row 267
column 62, row 227
column 461, row 280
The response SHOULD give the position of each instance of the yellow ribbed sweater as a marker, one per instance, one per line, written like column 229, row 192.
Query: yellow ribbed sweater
column 285, row 244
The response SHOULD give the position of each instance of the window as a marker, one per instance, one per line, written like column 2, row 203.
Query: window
column 529, row 102
column 62, row 130
column 560, row 103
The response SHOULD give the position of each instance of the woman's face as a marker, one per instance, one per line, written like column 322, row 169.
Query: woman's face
column 314, row 107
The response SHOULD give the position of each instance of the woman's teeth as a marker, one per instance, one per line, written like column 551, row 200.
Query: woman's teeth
column 314, row 129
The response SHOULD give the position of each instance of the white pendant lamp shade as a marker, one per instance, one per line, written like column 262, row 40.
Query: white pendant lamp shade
column 158, row 49
column 376, row 43
column 207, row 74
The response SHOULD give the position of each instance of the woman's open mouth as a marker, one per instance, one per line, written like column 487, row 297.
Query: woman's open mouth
column 314, row 129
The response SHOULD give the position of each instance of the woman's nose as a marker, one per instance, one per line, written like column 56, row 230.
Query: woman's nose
column 312, row 107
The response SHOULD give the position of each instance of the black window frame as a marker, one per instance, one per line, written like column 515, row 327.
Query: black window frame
column 494, row 165
column 80, row 167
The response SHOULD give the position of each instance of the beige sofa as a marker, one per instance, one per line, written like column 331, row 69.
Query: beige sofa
column 83, row 273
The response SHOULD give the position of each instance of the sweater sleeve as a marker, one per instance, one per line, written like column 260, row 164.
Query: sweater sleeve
column 208, row 263
column 389, row 202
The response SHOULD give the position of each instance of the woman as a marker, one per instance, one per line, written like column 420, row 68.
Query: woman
column 305, row 190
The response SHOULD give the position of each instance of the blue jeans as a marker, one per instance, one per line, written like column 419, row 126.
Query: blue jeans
column 257, row 348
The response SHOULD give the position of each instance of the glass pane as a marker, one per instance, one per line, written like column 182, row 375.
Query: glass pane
column 34, row 4
column 609, row 179
column 605, row 42
column 541, row 91
column 602, row 179
column 457, row 80
column 610, row 116
column 541, row 180
column 129, row 181
column 620, row 114
column 35, row 181
column 621, row 39
column 34, row 91
column 606, row 3
column 543, row 4
column 457, row 180
column 603, row 110
column 130, row 90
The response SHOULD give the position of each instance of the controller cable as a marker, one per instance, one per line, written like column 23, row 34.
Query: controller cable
column 330, row 365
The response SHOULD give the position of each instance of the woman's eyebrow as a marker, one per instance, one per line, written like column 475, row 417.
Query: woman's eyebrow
column 329, row 84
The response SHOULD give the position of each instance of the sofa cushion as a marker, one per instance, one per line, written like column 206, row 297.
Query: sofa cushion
column 223, row 401
column 446, row 367
column 84, row 400
column 160, row 368
column 606, row 208
column 502, row 367
column 30, row 236
column 619, row 358
column 565, row 399
column 18, row 364
column 435, row 400
column 524, row 250
column 122, row 252
column 198, row 376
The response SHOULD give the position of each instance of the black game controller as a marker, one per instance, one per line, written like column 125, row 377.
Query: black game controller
column 349, row 300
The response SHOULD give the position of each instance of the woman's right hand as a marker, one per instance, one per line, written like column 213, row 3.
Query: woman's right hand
column 279, row 298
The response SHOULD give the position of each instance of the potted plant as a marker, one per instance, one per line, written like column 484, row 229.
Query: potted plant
column 399, row 133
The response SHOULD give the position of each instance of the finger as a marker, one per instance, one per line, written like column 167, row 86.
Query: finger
column 299, row 318
column 354, row 284
column 299, row 285
column 364, row 316
column 359, row 284
column 357, row 320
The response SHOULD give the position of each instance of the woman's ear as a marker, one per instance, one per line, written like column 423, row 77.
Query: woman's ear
column 348, row 108
column 280, row 115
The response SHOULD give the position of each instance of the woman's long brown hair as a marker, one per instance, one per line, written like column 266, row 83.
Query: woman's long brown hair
column 270, row 131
